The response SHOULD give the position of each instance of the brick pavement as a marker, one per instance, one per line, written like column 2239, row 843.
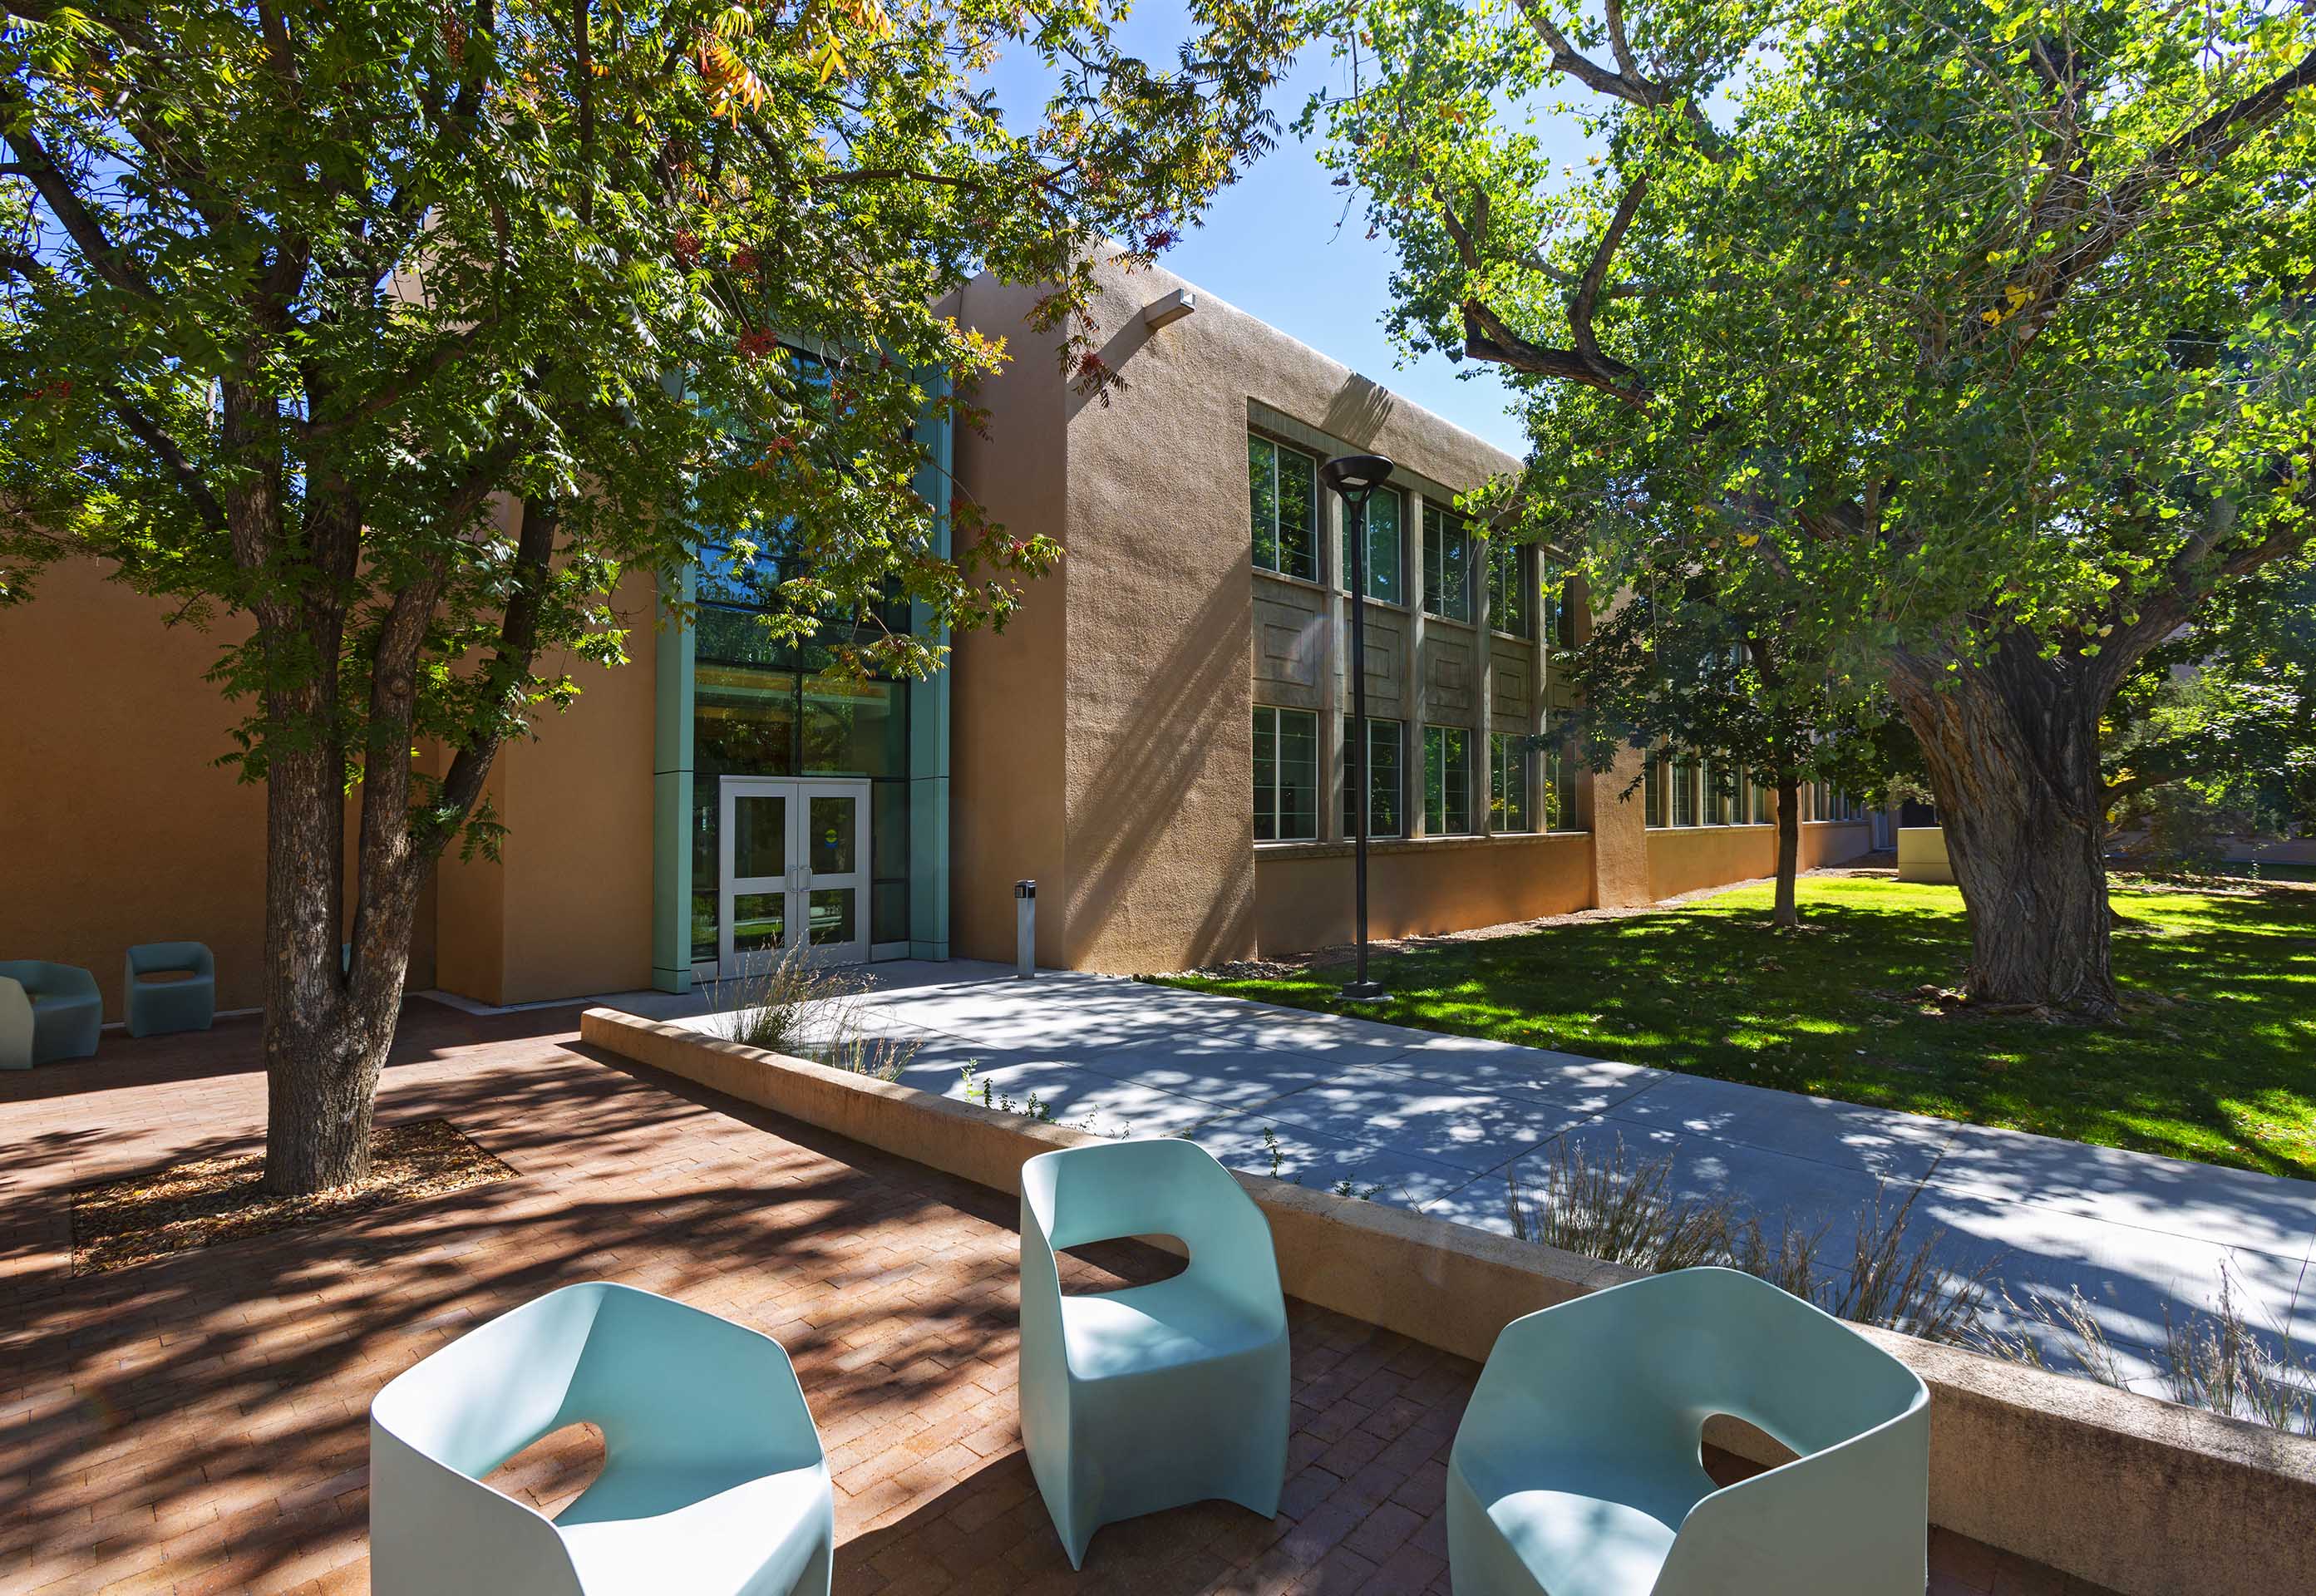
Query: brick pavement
column 198, row 1424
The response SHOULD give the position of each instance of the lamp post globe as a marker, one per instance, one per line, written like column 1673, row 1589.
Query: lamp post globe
column 1356, row 477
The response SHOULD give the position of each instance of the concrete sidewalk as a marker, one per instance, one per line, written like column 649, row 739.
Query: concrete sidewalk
column 1439, row 1123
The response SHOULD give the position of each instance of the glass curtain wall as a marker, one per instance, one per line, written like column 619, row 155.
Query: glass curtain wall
column 766, row 708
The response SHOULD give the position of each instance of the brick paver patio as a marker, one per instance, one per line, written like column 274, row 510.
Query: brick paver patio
column 199, row 1424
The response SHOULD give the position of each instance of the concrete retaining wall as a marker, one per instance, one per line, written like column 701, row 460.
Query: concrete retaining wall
column 2146, row 1497
column 1922, row 855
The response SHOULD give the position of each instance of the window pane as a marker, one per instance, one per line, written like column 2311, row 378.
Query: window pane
column 1507, row 783
column 1266, row 775
column 1654, row 793
column 1446, row 566
column 830, row 915
column 853, row 726
column 759, row 921
column 1560, row 777
column 1298, row 775
column 1262, row 500
column 744, row 720
column 888, row 912
column 1508, row 597
column 1386, row 553
column 1447, row 781
column 1298, row 514
column 1382, row 781
column 1760, row 805
column 830, row 844
column 760, row 835
column 1684, row 792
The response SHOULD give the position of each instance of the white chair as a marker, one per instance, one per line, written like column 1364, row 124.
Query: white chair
column 714, row 1483
column 1154, row 1397
column 1579, row 1467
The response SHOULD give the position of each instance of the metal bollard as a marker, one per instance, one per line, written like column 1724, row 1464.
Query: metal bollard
column 1025, row 930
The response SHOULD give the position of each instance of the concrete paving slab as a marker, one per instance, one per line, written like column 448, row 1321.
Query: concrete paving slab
column 1536, row 1074
column 1875, row 1141
column 1379, row 1111
column 2225, row 1207
column 1080, row 1100
column 1325, row 1163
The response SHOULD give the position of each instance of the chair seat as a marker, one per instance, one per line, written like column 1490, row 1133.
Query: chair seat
column 1591, row 1527
column 641, row 1529
column 1144, row 1328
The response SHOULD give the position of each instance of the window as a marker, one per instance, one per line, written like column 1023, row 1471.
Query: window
column 1559, row 610
column 1716, row 795
column 1559, row 792
column 1652, row 805
column 1684, row 792
column 1761, row 804
column 1447, row 781
column 1820, row 800
column 1507, row 782
column 1509, row 610
column 1446, row 566
column 1386, row 517
column 1286, row 775
column 1283, row 498
column 1382, row 781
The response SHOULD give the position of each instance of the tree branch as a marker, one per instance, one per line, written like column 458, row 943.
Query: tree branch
column 80, row 224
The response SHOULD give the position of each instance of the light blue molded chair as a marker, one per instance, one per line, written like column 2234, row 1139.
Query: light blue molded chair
column 714, row 1483
column 47, row 1011
column 1150, row 1397
column 156, row 1007
column 1577, row 1470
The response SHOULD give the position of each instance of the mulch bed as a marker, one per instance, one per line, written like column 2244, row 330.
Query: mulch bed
column 120, row 1223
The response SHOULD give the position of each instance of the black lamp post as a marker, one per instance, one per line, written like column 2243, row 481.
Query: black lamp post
column 1356, row 477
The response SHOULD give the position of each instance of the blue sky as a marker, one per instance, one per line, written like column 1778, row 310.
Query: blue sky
column 1279, row 245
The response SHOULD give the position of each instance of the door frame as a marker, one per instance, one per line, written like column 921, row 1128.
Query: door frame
column 798, row 881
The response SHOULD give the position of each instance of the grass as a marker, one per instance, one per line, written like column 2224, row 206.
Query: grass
column 2215, row 1060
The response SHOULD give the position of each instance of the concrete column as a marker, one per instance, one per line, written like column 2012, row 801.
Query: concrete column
column 929, row 709
column 1418, row 673
column 672, row 782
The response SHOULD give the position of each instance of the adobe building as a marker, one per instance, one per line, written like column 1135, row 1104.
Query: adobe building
column 1157, row 738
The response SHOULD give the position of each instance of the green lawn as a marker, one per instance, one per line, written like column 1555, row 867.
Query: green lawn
column 2216, row 1060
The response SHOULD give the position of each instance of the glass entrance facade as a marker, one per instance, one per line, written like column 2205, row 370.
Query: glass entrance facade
column 764, row 707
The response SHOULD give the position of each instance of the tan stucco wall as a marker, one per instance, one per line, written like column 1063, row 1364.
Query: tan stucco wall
column 1620, row 835
column 566, row 909
column 1138, row 657
column 1007, row 708
column 1304, row 895
column 1833, row 842
column 117, row 825
column 1682, row 858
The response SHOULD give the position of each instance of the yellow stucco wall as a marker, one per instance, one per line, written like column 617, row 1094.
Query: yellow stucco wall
column 117, row 825
column 1303, row 893
column 1006, row 703
column 565, row 911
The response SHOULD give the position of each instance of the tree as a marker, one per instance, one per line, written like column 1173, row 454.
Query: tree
column 396, row 332
column 1974, row 328
column 1673, row 669
column 2215, row 730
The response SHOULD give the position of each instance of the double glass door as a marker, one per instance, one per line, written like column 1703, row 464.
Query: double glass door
column 795, row 871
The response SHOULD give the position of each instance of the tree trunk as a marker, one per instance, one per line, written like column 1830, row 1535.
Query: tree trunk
column 1789, row 848
column 2012, row 749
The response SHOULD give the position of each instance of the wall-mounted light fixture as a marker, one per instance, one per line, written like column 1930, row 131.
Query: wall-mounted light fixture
column 1173, row 307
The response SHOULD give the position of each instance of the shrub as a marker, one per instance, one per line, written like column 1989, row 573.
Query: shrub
column 1625, row 1212
column 807, row 1009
